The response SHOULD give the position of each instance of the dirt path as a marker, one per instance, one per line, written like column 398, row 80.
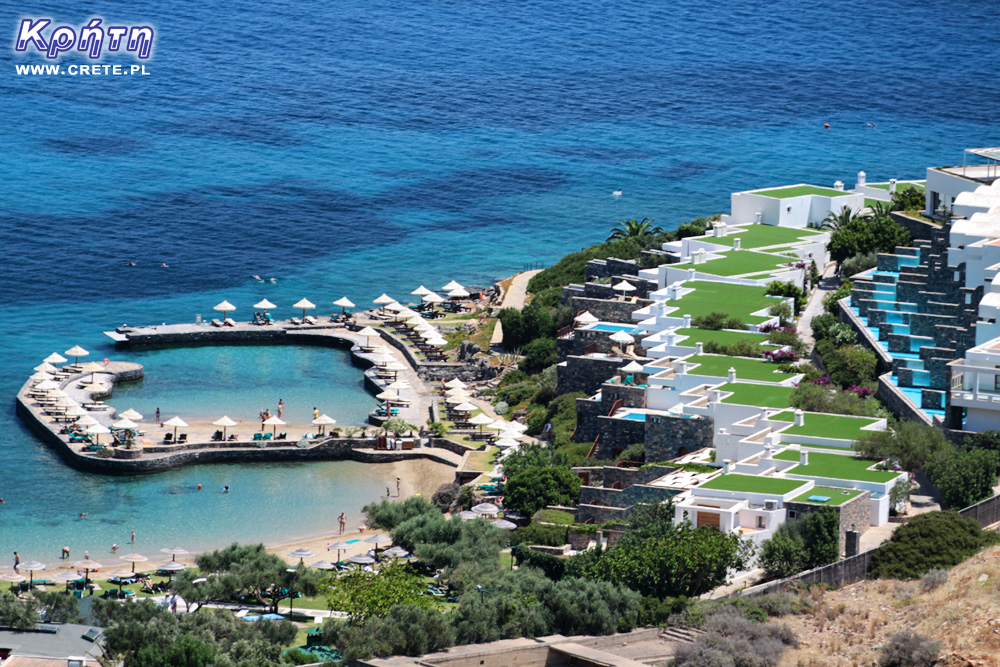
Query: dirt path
column 518, row 291
column 827, row 283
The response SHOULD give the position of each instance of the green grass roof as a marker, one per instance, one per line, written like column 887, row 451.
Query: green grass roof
column 740, row 262
column 899, row 186
column 821, row 425
column 722, row 337
column 764, row 396
column 753, row 484
column 836, row 496
column 762, row 236
column 735, row 300
column 837, row 466
column 799, row 191
column 746, row 369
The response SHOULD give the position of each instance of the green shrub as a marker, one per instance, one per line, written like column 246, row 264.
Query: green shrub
column 816, row 398
column 514, row 377
column 858, row 263
column 935, row 540
column 821, row 325
column 964, row 477
column 387, row 515
column 713, row 321
column 781, row 288
column 540, row 533
column 534, row 488
column 572, row 267
column 538, row 355
column 908, row 649
column 830, row 301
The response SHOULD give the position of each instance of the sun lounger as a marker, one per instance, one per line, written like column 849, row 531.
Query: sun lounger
column 216, row 322
column 267, row 436
column 183, row 437
column 258, row 436
column 168, row 438
column 309, row 319
column 281, row 436
column 294, row 320
column 217, row 436
column 230, row 322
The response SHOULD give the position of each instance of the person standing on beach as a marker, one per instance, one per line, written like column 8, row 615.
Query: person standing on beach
column 133, row 537
column 281, row 408
column 315, row 413
column 158, row 416
column 387, row 494
column 397, row 487
column 17, row 562
column 343, row 522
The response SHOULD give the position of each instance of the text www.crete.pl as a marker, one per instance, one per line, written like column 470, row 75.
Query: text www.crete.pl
column 81, row 70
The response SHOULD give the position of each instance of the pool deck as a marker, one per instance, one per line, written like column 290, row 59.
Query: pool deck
column 200, row 448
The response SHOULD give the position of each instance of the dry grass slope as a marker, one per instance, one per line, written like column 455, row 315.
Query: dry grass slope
column 846, row 627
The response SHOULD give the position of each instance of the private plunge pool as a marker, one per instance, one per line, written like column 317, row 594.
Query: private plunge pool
column 611, row 326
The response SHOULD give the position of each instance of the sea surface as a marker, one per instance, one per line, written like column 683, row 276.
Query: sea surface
column 354, row 148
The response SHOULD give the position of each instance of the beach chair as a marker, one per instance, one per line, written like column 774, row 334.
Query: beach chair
column 182, row 438
column 168, row 438
column 629, row 380
column 267, row 436
column 309, row 319
column 230, row 322
column 217, row 436
column 258, row 436
column 294, row 320
column 281, row 436
column 268, row 319
column 216, row 322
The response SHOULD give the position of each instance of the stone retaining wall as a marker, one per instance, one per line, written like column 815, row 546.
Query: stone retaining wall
column 586, row 374
column 605, row 310
column 855, row 513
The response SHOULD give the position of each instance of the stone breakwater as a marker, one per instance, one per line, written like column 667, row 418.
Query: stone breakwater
column 155, row 458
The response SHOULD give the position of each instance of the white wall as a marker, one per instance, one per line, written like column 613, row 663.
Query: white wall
column 791, row 211
column 948, row 186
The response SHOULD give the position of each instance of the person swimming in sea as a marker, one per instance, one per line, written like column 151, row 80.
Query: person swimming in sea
column 617, row 193
column 225, row 489
column 257, row 278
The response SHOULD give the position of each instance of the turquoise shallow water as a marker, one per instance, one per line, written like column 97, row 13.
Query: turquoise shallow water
column 353, row 148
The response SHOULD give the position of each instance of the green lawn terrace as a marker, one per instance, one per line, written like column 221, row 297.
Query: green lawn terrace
column 900, row 185
column 830, row 466
column 681, row 303
column 827, row 496
column 755, row 237
column 739, row 483
column 797, row 191
column 739, row 263
column 814, row 429
column 716, row 365
column 755, row 395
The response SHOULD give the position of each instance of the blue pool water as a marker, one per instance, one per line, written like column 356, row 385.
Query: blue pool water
column 627, row 328
column 353, row 148
column 634, row 416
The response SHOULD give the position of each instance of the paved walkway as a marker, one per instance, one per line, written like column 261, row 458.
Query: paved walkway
column 827, row 283
column 517, row 293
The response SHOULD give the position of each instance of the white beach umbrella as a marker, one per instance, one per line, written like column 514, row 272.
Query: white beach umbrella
column 455, row 383
column 458, row 293
column 322, row 565
column 125, row 423
column 632, row 367
column 624, row 287
column 344, row 302
column 421, row 292
column 452, row 285
column 395, row 366
column 45, row 367
column 47, row 385
column 456, row 400
column 264, row 305
column 133, row 558
column 396, row 552
column 97, row 430
column 621, row 337
column 301, row 554
column 87, row 420
column 304, row 304
column 176, row 423
column 434, row 298
column 275, row 422
column 76, row 352
column 323, row 421
column 486, row 508
column 379, row 358
column 92, row 367
column 436, row 341
column 361, row 559
column 424, row 326
column 174, row 552
column 75, row 411
column 518, row 427
column 498, row 425
column 55, row 358
column 387, row 396
column 585, row 318
column 368, row 332
column 468, row 515
column 399, row 384
column 506, row 442
column 131, row 414
column 481, row 420
column 395, row 306
column 224, row 308
column 383, row 301
column 378, row 539
column 225, row 422
column 503, row 524
column 41, row 375
column 464, row 407
column 408, row 314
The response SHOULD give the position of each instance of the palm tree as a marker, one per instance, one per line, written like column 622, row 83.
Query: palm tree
column 880, row 209
column 630, row 229
column 842, row 219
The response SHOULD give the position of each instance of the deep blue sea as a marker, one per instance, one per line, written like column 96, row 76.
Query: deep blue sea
column 351, row 148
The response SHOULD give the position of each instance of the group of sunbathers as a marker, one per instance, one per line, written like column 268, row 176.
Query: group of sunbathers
column 262, row 318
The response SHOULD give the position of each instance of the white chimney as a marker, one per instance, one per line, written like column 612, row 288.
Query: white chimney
column 732, row 374
column 682, row 368
column 760, row 216
column 838, row 185
column 727, row 464
column 719, row 229
column 772, row 440
column 692, row 273
column 736, row 243
column 699, row 348
column 803, row 457
column 892, row 185
column 671, row 338
column 800, row 418
column 673, row 292
column 687, row 321
column 713, row 397
column 861, row 178
column 768, row 451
